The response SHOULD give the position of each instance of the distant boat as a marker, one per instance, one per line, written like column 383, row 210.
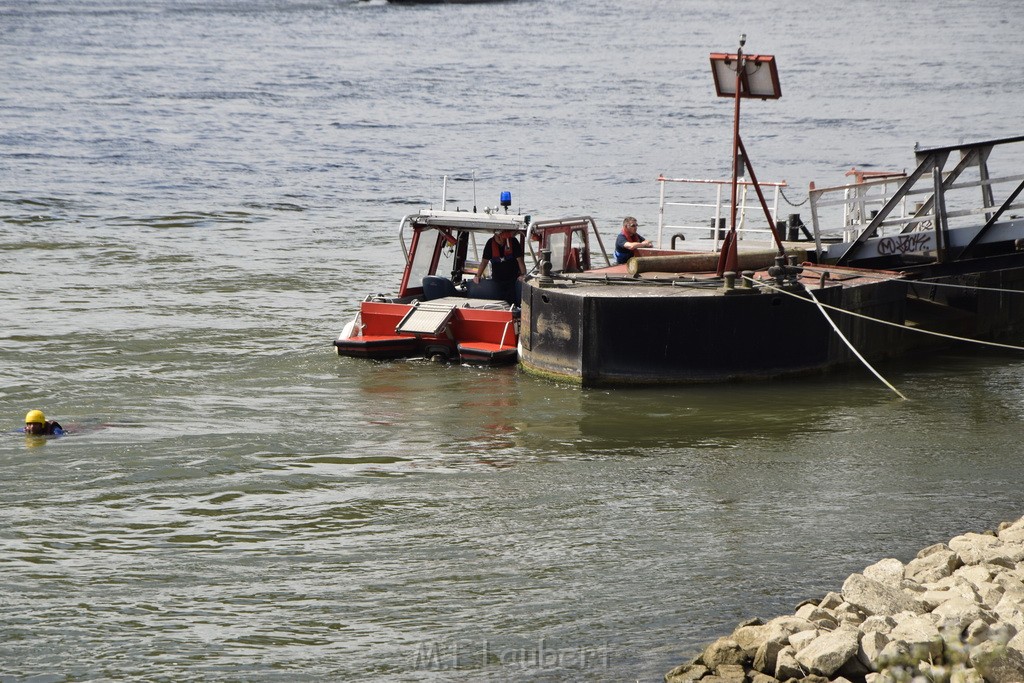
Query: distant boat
column 442, row 2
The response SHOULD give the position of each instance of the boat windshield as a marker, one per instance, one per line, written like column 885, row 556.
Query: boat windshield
column 557, row 242
column 569, row 243
column 423, row 254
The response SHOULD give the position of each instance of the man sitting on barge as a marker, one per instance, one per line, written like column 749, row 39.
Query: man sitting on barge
column 628, row 240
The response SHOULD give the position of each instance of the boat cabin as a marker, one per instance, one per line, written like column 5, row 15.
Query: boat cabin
column 442, row 252
column 566, row 244
column 442, row 249
column 439, row 311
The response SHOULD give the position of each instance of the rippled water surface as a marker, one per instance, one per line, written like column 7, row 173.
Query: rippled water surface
column 197, row 194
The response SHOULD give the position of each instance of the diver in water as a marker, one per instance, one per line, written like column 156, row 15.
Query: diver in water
column 36, row 424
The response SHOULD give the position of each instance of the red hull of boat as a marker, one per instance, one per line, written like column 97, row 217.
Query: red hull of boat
column 474, row 335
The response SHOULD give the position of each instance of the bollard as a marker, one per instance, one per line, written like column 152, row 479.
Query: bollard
column 796, row 226
column 544, row 279
column 778, row 271
column 794, row 231
column 721, row 228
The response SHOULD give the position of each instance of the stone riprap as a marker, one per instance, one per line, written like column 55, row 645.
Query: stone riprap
column 953, row 614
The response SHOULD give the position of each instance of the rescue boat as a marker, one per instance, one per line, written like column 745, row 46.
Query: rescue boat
column 438, row 311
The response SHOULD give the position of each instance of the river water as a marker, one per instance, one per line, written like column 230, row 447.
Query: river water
column 195, row 196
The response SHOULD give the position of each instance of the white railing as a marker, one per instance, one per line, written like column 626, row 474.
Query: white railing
column 859, row 203
column 709, row 219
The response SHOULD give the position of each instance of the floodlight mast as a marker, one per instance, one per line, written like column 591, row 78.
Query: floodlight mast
column 729, row 260
column 721, row 66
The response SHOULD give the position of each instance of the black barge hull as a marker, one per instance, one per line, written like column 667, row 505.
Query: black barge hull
column 632, row 334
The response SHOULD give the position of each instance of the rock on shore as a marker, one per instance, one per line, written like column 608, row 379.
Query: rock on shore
column 953, row 614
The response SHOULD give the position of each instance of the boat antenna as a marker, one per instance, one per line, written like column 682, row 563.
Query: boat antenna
column 474, row 190
column 444, row 192
column 519, row 179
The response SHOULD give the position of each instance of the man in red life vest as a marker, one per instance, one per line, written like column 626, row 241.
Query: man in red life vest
column 628, row 240
column 505, row 254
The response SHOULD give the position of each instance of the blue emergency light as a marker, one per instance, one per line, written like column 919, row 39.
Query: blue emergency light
column 506, row 199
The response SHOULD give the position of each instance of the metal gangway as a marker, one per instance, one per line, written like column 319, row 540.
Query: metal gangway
column 942, row 210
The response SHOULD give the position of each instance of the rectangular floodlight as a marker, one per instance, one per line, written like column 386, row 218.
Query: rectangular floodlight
column 760, row 77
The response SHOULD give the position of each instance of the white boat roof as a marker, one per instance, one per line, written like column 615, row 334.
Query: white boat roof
column 469, row 220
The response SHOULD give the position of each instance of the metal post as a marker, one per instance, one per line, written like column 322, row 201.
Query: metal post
column 718, row 215
column 775, row 201
column 987, row 200
column 939, row 207
column 760, row 196
column 661, row 209
column 728, row 258
column 812, row 197
column 736, row 134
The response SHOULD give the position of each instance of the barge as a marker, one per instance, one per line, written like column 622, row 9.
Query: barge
column 893, row 263
column 913, row 261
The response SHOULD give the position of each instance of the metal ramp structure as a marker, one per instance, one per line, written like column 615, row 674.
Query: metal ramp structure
column 431, row 318
column 942, row 225
column 426, row 318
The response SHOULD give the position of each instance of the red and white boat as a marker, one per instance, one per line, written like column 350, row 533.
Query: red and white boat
column 438, row 312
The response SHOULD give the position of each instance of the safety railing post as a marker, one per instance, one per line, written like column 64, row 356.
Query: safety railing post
column 718, row 216
column 661, row 210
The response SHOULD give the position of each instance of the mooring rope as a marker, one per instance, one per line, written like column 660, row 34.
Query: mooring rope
column 874, row 276
column 853, row 348
column 952, row 337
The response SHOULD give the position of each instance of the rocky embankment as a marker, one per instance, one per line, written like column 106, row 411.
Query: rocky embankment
column 953, row 614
